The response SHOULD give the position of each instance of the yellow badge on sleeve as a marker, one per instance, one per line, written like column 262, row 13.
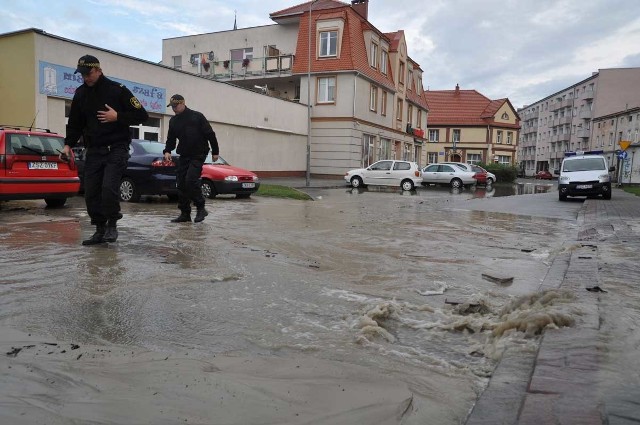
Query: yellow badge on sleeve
column 135, row 102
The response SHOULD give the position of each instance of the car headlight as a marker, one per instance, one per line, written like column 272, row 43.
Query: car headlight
column 563, row 179
column 231, row 179
column 604, row 178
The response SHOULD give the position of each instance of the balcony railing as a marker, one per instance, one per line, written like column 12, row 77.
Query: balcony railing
column 586, row 114
column 583, row 133
column 587, row 94
column 249, row 68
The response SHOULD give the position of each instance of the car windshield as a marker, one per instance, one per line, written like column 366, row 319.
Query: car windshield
column 220, row 160
column 25, row 144
column 152, row 147
column 585, row 164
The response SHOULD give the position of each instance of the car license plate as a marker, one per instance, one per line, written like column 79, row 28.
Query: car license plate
column 248, row 185
column 584, row 186
column 43, row 165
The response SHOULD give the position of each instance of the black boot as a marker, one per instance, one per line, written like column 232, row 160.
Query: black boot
column 111, row 234
column 200, row 215
column 97, row 237
column 182, row 218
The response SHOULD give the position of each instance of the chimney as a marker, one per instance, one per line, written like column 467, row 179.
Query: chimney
column 457, row 88
column 361, row 7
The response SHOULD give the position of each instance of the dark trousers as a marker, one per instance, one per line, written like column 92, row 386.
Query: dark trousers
column 103, row 171
column 189, row 185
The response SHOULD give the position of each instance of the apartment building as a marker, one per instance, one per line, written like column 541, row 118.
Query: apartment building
column 466, row 126
column 364, row 93
column 596, row 113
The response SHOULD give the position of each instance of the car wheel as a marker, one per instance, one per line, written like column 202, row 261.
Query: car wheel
column 55, row 202
column 562, row 197
column 128, row 191
column 208, row 191
column 489, row 180
column 606, row 195
column 407, row 185
column 356, row 182
column 456, row 183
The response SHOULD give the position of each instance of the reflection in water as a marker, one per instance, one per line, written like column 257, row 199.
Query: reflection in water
column 383, row 189
column 510, row 190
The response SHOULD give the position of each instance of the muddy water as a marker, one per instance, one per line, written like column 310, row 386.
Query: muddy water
column 389, row 282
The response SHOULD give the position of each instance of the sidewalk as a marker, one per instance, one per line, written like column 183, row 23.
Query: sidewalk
column 561, row 383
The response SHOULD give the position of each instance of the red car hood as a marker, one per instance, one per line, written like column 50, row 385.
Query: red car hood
column 225, row 170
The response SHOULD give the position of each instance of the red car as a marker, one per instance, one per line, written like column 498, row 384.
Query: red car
column 30, row 167
column 221, row 178
column 544, row 175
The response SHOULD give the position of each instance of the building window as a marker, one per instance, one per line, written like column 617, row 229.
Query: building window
column 499, row 137
column 434, row 137
column 419, row 120
column 384, row 58
column 328, row 43
column 410, row 115
column 509, row 137
column 177, row 62
column 399, row 110
column 385, row 149
column 401, row 73
column 432, row 157
column 504, row 159
column 456, row 136
column 241, row 54
column 373, row 60
column 327, row 90
column 373, row 98
column 368, row 149
column 383, row 103
column 409, row 79
column 474, row 158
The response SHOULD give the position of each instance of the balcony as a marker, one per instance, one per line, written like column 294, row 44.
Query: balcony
column 254, row 68
column 585, row 114
column 587, row 94
column 583, row 133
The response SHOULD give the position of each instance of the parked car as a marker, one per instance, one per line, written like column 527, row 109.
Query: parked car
column 484, row 176
column 387, row 172
column 447, row 174
column 584, row 175
column 147, row 171
column 30, row 167
column 222, row 178
column 543, row 175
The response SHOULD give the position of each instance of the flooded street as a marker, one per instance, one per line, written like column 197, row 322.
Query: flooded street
column 406, row 297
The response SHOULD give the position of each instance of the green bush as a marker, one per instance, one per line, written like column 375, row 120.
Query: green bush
column 504, row 173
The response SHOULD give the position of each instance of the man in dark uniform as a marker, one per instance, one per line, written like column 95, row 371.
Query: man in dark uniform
column 101, row 113
column 195, row 134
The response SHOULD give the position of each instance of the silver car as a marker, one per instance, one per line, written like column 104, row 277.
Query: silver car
column 447, row 174
column 388, row 172
column 491, row 178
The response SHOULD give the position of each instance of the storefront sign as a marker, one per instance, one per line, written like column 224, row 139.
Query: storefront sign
column 60, row 81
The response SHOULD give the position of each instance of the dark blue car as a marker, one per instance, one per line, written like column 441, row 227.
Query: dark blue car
column 147, row 172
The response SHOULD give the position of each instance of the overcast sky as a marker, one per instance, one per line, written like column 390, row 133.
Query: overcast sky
column 524, row 50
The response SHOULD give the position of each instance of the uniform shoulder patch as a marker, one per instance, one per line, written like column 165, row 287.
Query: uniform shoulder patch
column 135, row 102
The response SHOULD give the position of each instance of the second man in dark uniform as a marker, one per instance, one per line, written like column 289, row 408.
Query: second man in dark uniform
column 194, row 135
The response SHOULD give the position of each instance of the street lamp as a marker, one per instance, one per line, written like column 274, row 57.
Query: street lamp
column 308, row 174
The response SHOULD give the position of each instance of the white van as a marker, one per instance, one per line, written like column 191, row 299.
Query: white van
column 584, row 175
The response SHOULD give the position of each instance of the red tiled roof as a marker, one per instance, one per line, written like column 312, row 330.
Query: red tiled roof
column 304, row 7
column 353, row 52
column 461, row 107
column 395, row 38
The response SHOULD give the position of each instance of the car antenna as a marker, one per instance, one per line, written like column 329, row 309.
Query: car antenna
column 34, row 120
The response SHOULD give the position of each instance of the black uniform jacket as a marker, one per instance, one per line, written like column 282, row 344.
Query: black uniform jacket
column 193, row 131
column 83, row 117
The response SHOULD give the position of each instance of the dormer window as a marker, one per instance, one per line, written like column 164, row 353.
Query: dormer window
column 373, row 60
column 328, row 43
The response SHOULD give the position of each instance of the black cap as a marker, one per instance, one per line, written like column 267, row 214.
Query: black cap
column 176, row 99
column 85, row 64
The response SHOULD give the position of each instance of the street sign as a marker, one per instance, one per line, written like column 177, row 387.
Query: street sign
column 623, row 155
column 624, row 144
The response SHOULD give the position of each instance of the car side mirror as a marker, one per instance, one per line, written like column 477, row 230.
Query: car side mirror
column 612, row 168
column 556, row 171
